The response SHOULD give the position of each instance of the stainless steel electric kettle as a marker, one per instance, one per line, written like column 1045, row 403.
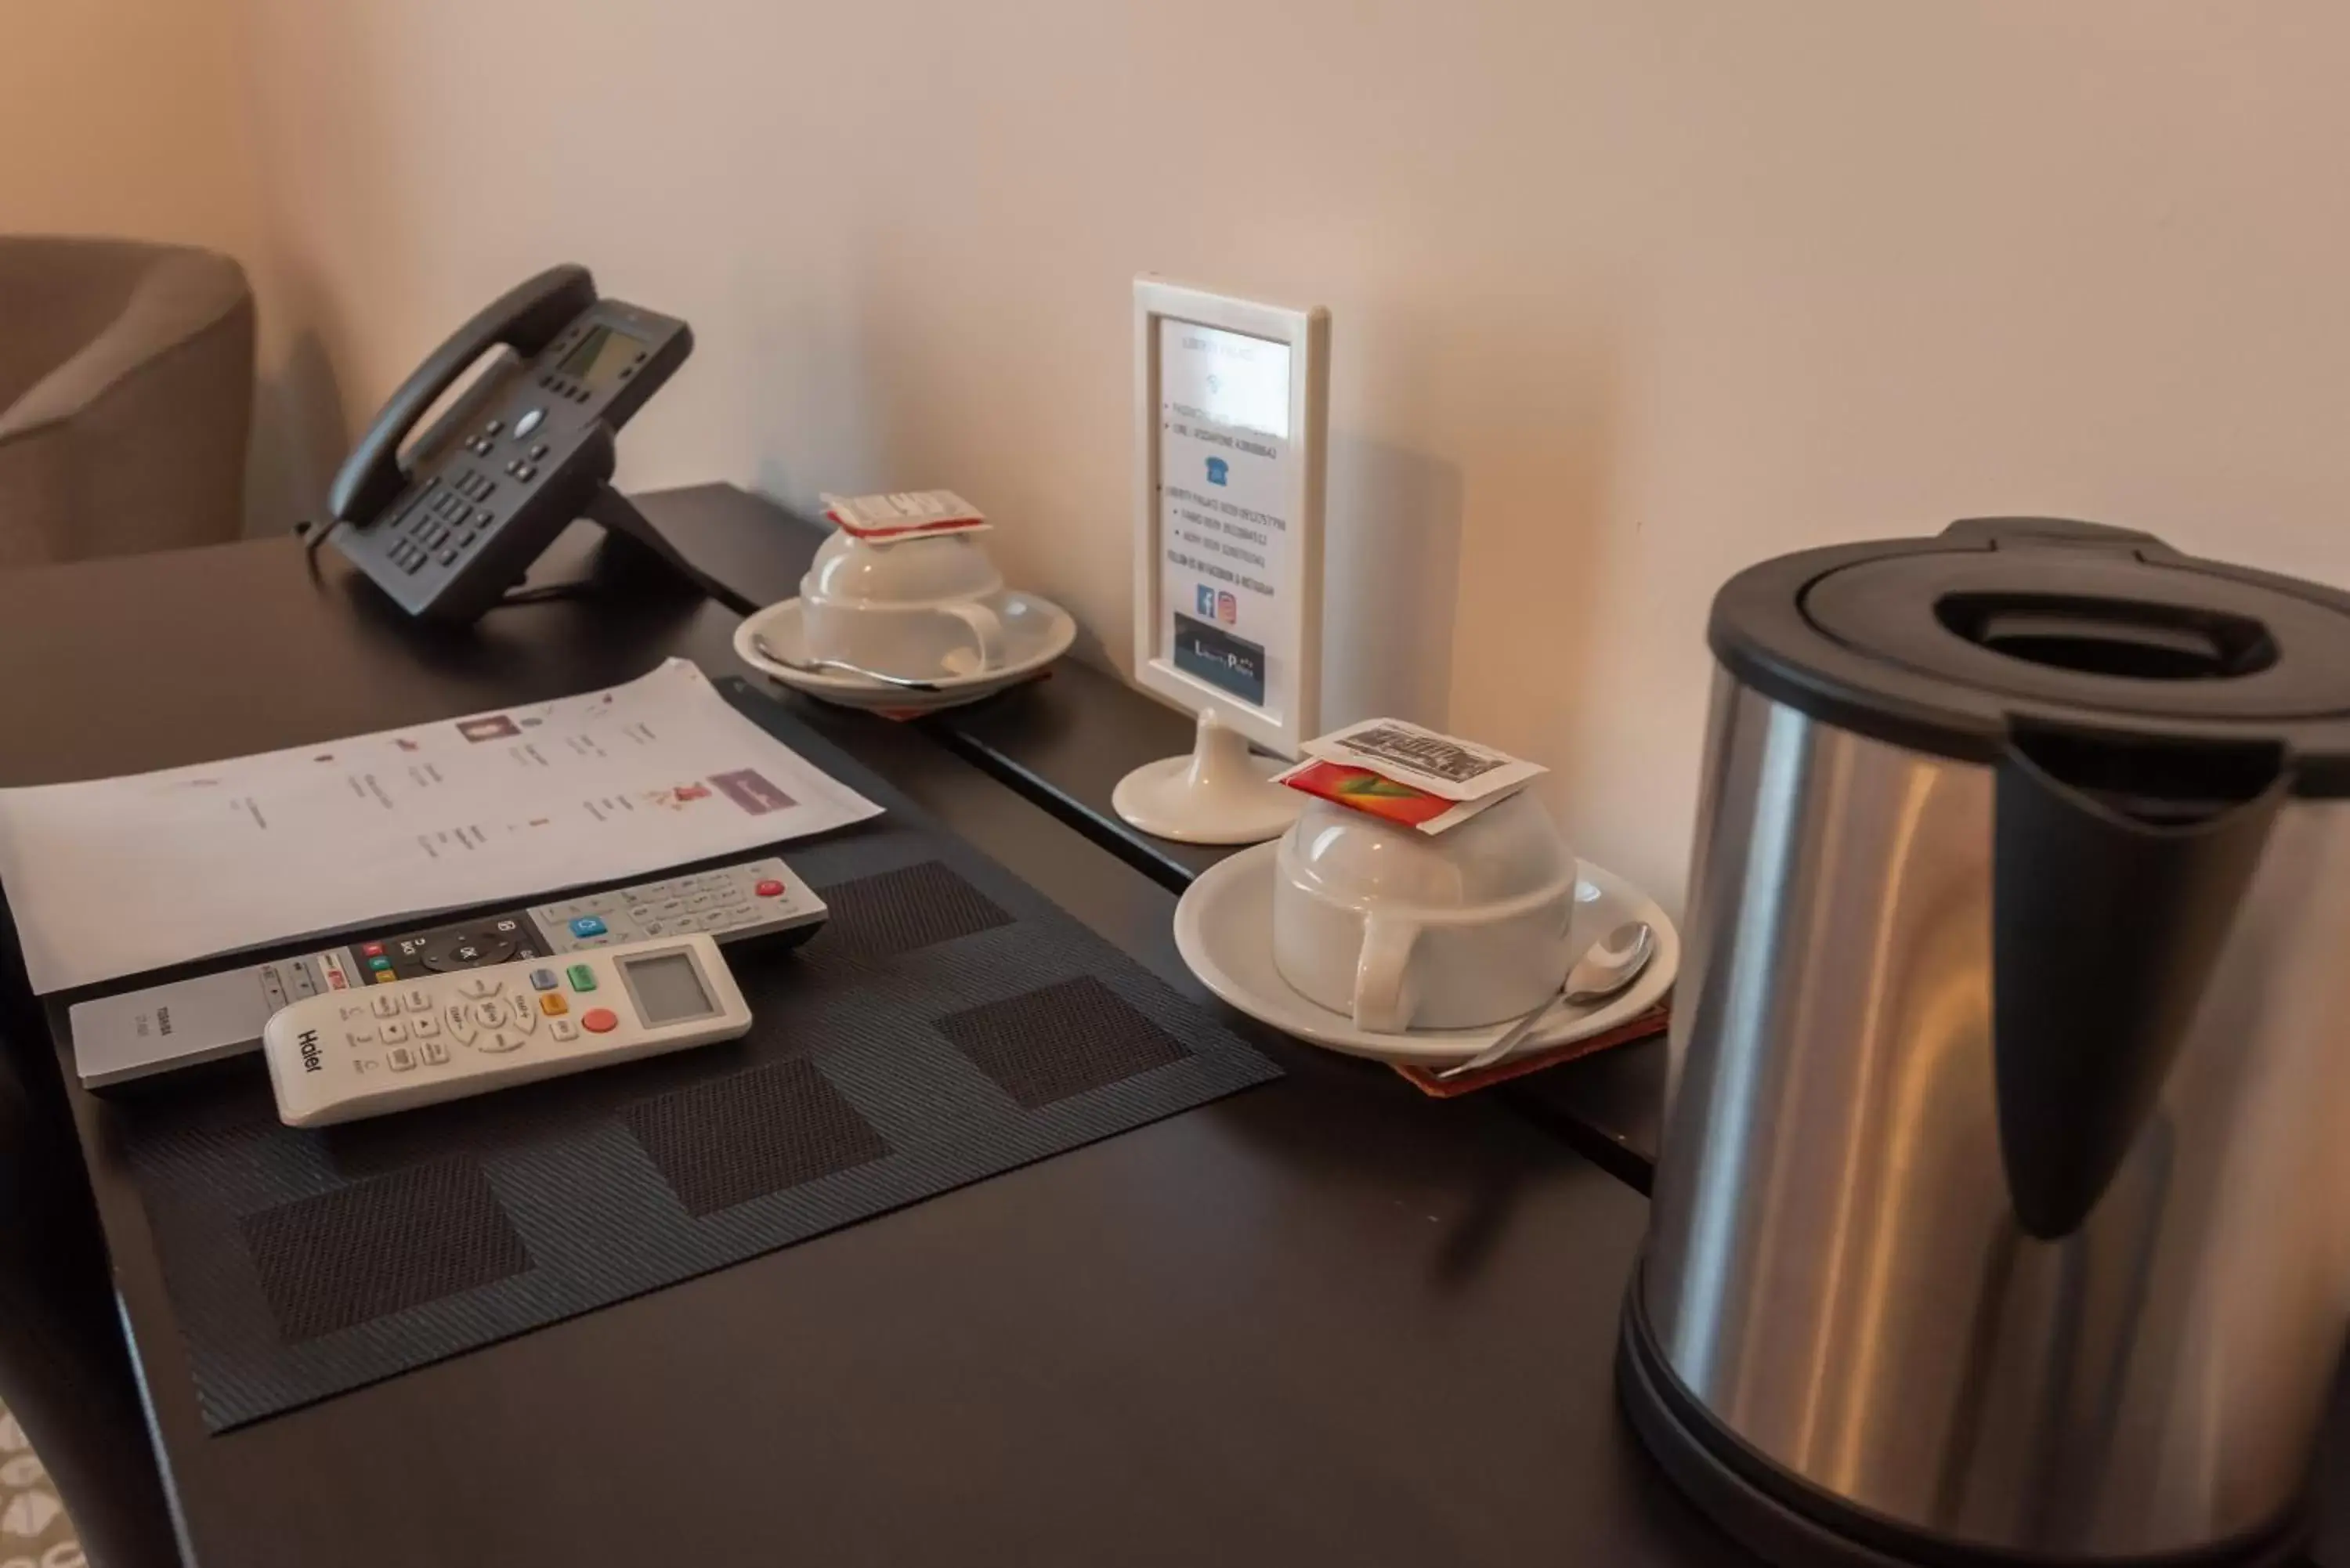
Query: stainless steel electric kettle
column 2004, row 1208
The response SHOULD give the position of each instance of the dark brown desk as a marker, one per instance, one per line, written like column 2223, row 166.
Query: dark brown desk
column 1397, row 1315
column 1063, row 743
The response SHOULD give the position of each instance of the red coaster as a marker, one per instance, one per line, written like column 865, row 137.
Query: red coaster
column 904, row 715
column 1651, row 1023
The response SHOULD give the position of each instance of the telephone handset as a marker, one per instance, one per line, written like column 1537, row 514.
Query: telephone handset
column 528, row 448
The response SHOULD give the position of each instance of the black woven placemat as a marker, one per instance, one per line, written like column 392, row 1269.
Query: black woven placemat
column 949, row 1023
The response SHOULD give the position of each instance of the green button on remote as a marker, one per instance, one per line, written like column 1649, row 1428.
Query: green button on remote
column 582, row 976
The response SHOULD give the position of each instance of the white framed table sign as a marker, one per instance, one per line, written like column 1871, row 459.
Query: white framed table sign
column 1231, row 412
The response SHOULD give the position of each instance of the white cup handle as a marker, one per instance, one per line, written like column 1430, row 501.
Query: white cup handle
column 986, row 628
column 1381, row 1003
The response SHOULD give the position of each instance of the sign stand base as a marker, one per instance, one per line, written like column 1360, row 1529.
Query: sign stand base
column 1221, row 793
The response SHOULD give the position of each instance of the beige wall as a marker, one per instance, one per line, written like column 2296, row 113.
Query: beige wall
column 131, row 117
column 1625, row 294
column 126, row 116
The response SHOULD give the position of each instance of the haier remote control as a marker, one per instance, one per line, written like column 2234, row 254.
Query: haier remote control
column 354, row 1053
column 161, row 1028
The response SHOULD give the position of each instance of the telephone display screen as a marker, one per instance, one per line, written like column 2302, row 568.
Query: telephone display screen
column 601, row 356
column 667, row 988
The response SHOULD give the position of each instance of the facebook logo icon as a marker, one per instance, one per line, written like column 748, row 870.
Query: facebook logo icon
column 1207, row 602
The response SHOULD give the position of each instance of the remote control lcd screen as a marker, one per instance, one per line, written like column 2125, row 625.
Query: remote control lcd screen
column 667, row 988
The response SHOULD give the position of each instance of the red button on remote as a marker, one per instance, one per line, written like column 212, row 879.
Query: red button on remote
column 374, row 950
column 599, row 1020
column 770, row 888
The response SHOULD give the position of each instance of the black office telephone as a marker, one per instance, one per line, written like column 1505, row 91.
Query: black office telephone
column 523, row 452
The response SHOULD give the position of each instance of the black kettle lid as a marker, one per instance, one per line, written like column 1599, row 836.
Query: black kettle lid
column 1948, row 644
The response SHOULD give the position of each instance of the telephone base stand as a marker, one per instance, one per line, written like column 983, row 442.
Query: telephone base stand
column 633, row 536
column 1221, row 793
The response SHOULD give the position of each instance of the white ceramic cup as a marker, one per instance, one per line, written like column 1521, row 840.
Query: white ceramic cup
column 1401, row 930
column 916, row 608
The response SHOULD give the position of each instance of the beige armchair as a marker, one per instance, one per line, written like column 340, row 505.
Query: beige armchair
column 126, row 397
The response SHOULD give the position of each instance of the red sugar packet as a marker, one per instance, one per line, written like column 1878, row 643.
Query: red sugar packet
column 903, row 515
column 1408, row 774
column 1368, row 791
column 1647, row 1025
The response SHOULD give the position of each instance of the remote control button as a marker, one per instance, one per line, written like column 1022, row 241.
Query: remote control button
column 525, row 1020
column 564, row 1029
column 424, row 1028
column 506, row 928
column 395, row 1030
column 383, row 977
column 374, row 950
column 387, row 1007
column 588, row 926
column 492, row 1015
column 698, row 901
column 531, row 419
column 554, row 1006
column 651, row 928
column 436, row 1053
column 770, row 888
column 359, row 1037
column 419, row 1001
column 400, row 1059
column 379, row 962
column 583, row 977
column 686, row 923
column 496, row 1043
column 640, row 912
column 599, row 1020
column 544, row 979
column 478, row 986
column 461, row 950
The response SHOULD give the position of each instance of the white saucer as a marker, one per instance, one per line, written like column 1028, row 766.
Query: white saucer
column 1036, row 631
column 1224, row 928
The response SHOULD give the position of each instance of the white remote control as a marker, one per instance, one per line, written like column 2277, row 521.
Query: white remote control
column 343, row 1055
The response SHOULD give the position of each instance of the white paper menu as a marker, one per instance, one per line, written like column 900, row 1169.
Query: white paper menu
column 115, row 876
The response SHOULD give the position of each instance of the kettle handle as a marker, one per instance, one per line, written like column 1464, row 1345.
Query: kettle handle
column 2117, row 865
column 2027, row 533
